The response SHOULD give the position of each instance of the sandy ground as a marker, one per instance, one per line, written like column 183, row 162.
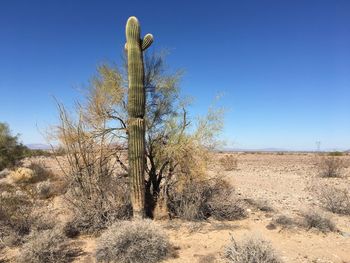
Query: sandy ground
column 285, row 182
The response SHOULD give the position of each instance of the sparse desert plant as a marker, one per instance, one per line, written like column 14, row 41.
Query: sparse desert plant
column 284, row 221
column 22, row 175
column 34, row 173
column 330, row 166
column 222, row 204
column 334, row 199
column 48, row 246
column 261, row 204
column 133, row 241
column 15, row 212
column 44, row 189
column 318, row 220
column 251, row 250
column 41, row 172
column 228, row 162
column 200, row 199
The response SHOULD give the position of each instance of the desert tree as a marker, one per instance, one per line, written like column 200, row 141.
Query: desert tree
column 177, row 146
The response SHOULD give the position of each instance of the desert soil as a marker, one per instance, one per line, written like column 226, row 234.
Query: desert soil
column 285, row 182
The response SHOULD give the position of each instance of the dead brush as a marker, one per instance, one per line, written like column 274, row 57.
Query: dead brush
column 251, row 250
column 48, row 246
column 318, row 220
column 133, row 241
column 334, row 199
column 330, row 167
column 228, row 162
column 201, row 199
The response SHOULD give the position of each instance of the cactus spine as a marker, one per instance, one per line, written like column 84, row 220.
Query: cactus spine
column 136, row 111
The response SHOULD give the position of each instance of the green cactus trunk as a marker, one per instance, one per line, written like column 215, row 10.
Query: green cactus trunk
column 136, row 111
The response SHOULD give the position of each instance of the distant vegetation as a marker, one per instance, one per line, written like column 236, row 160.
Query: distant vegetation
column 11, row 150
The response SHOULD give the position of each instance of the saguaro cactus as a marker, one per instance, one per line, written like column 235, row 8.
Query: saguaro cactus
column 136, row 111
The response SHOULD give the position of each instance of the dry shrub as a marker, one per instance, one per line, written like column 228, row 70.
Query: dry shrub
column 330, row 166
column 44, row 189
column 34, row 173
column 15, row 213
column 48, row 246
column 133, row 241
column 4, row 173
column 97, row 190
column 315, row 219
column 229, row 162
column 200, row 199
column 336, row 200
column 251, row 250
column 284, row 221
column 222, row 204
column 260, row 204
column 41, row 172
column 22, row 175
column 97, row 209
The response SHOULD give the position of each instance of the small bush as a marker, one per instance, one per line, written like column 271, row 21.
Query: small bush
column 314, row 219
column 251, row 250
column 16, row 212
column 41, row 173
column 4, row 173
column 44, row 189
column 22, row 175
column 47, row 246
column 135, row 241
column 95, row 215
column 260, row 204
column 200, row 199
column 228, row 162
column 336, row 200
column 330, row 166
column 284, row 221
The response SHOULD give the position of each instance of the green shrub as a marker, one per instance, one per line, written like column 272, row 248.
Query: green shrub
column 11, row 151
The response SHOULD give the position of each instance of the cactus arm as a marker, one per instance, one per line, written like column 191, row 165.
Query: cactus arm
column 147, row 41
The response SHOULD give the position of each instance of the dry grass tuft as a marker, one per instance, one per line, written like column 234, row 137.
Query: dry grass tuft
column 133, row 241
column 251, row 250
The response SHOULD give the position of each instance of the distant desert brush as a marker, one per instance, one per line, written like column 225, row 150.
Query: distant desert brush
column 330, row 166
column 229, row 162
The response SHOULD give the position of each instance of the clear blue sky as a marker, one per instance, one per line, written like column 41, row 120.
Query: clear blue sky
column 284, row 66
